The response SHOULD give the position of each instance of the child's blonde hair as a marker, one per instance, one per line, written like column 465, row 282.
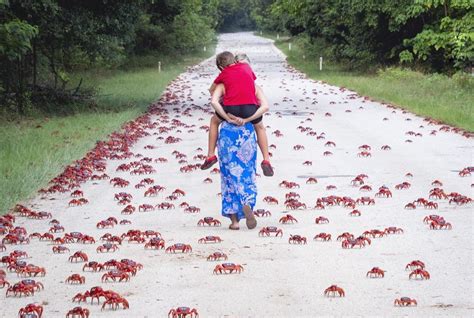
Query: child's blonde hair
column 242, row 57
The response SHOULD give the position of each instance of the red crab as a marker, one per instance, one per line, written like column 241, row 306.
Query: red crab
column 184, row 248
column 410, row 206
column 405, row 302
column 364, row 154
column 297, row 239
column 351, row 243
column 321, row 220
column 419, row 274
column 146, row 207
column 183, row 312
column 307, row 163
column 210, row 239
column 393, row 230
column 330, row 144
column 327, row 153
column 217, row 256
column 155, row 243
column 60, row 249
column 270, row 200
column 295, row 205
column 94, row 266
column 262, row 213
column 107, row 247
column 345, row 236
column 384, row 192
column 355, row 213
column 287, row 219
column 78, row 257
column 403, row 186
column 76, row 279
column 209, row 220
column 192, row 209
column 376, row 272
column 311, row 180
column 114, row 275
column 289, row 184
column 386, row 147
column 440, row 224
column 228, row 268
column 334, row 291
column 78, row 312
column 365, row 200
column 323, row 237
column 270, row 230
column 115, row 301
column 31, row 310
column 417, row 264
column 298, row 147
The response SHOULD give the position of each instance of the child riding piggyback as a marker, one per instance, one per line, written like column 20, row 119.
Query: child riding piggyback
column 240, row 101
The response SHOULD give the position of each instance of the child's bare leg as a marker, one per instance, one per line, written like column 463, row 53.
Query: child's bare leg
column 213, row 134
column 262, row 140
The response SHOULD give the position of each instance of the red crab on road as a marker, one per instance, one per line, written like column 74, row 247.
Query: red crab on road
column 184, row 248
column 393, row 230
column 155, row 243
column 405, row 302
column 78, row 312
column 311, row 180
column 321, row 220
column 183, row 312
column 107, row 247
column 297, row 239
column 228, row 268
column 76, row 279
column 322, row 236
column 114, row 275
column 375, row 272
column 334, row 291
column 31, row 310
column 419, row 274
column 262, row 213
column 287, row 219
column 417, row 264
column 209, row 220
column 78, row 257
column 210, row 239
column 270, row 230
column 270, row 200
column 217, row 256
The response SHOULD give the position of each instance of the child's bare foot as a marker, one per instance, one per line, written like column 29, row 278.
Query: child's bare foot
column 251, row 221
column 209, row 162
column 267, row 168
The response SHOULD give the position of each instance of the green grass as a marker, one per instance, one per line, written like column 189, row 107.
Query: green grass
column 448, row 99
column 33, row 151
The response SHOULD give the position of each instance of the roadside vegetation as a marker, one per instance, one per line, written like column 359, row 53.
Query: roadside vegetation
column 34, row 150
column 449, row 99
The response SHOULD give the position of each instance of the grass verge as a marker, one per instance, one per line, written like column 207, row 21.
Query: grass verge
column 33, row 151
column 448, row 99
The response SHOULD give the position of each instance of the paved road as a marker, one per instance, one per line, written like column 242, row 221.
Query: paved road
column 279, row 279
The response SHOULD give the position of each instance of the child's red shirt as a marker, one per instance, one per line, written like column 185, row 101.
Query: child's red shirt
column 239, row 83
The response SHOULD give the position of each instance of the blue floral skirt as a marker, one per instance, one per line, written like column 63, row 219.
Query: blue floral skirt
column 237, row 149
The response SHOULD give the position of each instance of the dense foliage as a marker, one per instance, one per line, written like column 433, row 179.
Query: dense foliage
column 43, row 41
column 435, row 34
